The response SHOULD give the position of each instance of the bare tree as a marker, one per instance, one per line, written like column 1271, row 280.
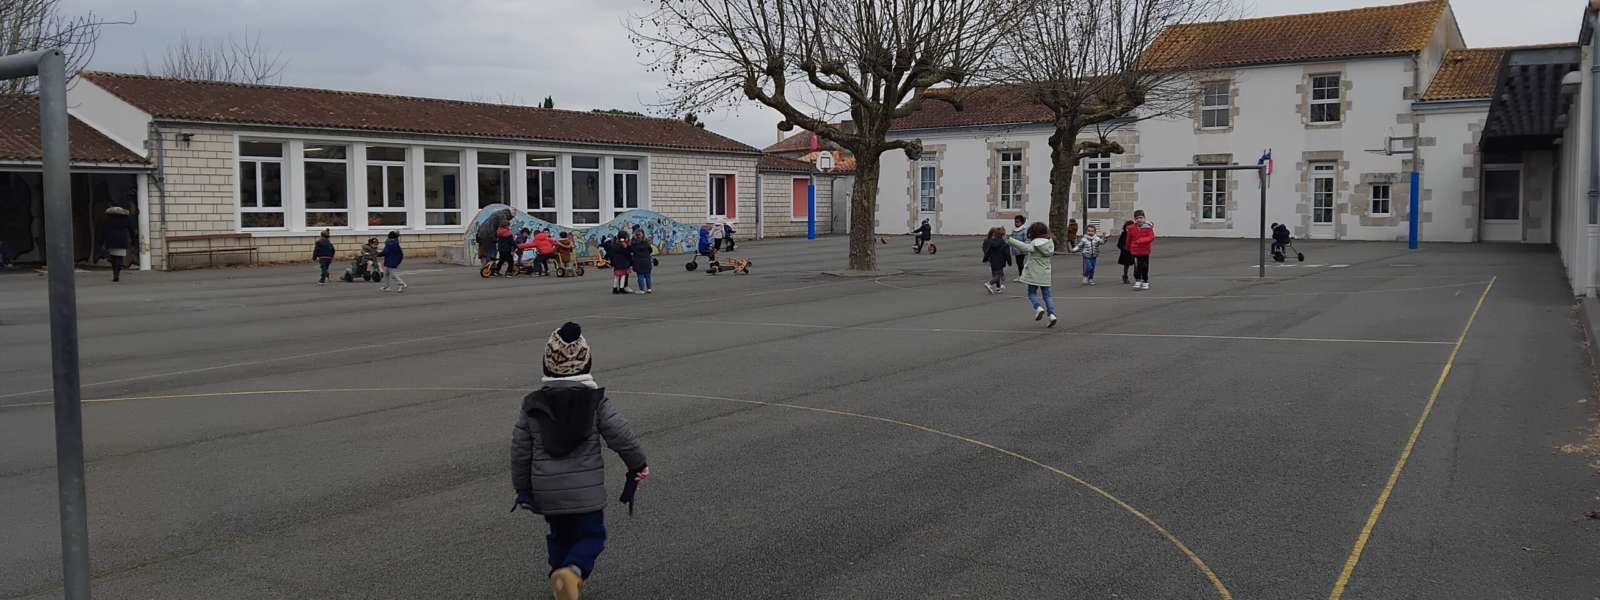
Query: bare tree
column 878, row 57
column 28, row 25
column 1096, row 66
column 237, row 60
column 508, row 98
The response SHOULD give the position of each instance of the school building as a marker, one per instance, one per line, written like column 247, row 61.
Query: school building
column 1348, row 102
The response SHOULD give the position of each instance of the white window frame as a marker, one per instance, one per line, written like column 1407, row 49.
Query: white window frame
column 461, row 197
column 384, row 191
column 505, row 177
column 1100, row 198
column 600, row 208
column 1483, row 187
column 1387, row 199
column 1324, row 172
column 714, row 176
column 620, row 178
column 532, row 199
column 1010, row 178
column 1223, row 112
column 284, row 196
column 1217, row 198
column 1334, row 96
column 928, row 183
column 300, row 174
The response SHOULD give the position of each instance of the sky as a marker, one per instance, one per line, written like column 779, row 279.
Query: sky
column 576, row 51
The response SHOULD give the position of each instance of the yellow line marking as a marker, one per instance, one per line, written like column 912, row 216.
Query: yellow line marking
column 1405, row 454
column 1257, row 338
column 1216, row 297
column 1222, row 590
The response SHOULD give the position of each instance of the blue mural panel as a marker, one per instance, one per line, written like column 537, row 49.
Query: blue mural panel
column 666, row 235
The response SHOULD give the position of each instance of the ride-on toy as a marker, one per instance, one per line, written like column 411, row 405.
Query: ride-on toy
column 720, row 264
column 1282, row 252
column 363, row 267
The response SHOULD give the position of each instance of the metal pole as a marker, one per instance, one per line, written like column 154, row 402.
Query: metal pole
column 1083, row 188
column 1261, row 264
column 811, row 208
column 63, row 324
column 1416, row 205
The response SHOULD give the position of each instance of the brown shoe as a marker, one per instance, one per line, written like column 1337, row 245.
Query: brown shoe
column 1125, row 279
column 565, row 584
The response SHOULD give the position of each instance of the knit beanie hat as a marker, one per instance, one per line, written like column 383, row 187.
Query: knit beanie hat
column 567, row 353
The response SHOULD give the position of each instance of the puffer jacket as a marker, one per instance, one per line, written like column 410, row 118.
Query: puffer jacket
column 639, row 251
column 555, row 449
column 617, row 254
column 996, row 252
column 1038, row 253
column 543, row 243
column 705, row 239
column 1089, row 245
column 1140, row 238
column 392, row 254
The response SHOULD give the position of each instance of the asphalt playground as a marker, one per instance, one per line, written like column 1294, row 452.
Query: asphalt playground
column 1372, row 423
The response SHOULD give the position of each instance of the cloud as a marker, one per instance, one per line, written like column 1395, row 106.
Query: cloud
column 574, row 50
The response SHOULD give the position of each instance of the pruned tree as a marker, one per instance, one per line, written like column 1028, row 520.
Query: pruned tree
column 507, row 98
column 1096, row 66
column 694, row 120
column 28, row 25
column 549, row 102
column 876, row 57
column 236, row 60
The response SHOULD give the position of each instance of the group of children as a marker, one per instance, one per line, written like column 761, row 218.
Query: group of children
column 509, row 248
column 1032, row 248
column 391, row 253
column 630, row 254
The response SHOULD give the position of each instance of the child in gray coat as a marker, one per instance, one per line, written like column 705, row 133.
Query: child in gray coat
column 556, row 465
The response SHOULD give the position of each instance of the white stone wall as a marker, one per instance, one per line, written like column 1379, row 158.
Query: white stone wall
column 679, row 182
column 777, row 197
column 1450, row 176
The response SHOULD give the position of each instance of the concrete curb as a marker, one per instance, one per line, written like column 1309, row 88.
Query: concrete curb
column 1590, row 309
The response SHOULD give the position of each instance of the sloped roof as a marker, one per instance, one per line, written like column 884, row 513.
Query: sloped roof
column 19, row 136
column 800, row 141
column 1472, row 73
column 1395, row 29
column 843, row 160
column 773, row 162
column 843, row 163
column 211, row 101
column 981, row 105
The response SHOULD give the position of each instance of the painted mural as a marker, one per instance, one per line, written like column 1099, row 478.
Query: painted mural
column 666, row 235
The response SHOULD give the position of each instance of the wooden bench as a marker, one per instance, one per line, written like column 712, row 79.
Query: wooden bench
column 215, row 243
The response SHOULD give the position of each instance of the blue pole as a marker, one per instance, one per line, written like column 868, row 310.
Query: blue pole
column 811, row 211
column 1416, row 207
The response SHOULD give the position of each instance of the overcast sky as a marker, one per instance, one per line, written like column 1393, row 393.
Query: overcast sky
column 574, row 50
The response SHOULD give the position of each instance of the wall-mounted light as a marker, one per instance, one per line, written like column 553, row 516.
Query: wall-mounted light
column 1571, row 83
column 1562, row 121
column 185, row 138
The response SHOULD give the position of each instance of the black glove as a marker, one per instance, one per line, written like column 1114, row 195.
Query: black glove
column 525, row 501
column 629, row 487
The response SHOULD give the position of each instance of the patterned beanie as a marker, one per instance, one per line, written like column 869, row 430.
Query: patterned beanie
column 567, row 353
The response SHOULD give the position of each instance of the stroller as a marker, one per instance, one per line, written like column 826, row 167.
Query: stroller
column 365, row 265
column 1282, row 245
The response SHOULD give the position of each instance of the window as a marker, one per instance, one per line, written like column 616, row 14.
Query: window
column 928, row 183
column 1097, row 186
column 585, row 190
column 541, row 178
column 722, row 195
column 1214, row 195
column 1010, row 180
column 1214, row 109
column 441, row 188
column 1502, row 194
column 327, row 186
column 800, row 199
column 261, row 185
column 386, row 186
column 625, row 183
column 1380, row 201
column 494, row 178
column 1322, row 193
column 1325, row 96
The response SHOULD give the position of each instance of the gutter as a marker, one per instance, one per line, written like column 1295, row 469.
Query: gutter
column 1449, row 105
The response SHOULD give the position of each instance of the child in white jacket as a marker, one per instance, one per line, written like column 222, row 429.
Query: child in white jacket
column 1089, row 247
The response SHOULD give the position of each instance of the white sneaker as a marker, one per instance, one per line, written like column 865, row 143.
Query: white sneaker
column 385, row 288
column 1017, row 279
column 639, row 292
column 1038, row 314
column 650, row 291
column 1091, row 282
column 1052, row 321
column 1002, row 287
column 402, row 288
column 990, row 287
column 627, row 290
column 1086, row 281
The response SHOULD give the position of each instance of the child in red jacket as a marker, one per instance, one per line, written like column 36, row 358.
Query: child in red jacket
column 1140, row 235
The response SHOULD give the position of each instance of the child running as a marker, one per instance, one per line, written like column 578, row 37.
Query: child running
column 392, row 255
column 557, row 468
column 621, row 263
column 323, row 251
column 639, row 251
column 1089, row 247
column 1019, row 232
column 1141, row 234
column 997, row 253
column 1038, row 251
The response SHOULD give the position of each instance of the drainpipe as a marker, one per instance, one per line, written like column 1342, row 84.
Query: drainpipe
column 1594, row 147
column 161, row 186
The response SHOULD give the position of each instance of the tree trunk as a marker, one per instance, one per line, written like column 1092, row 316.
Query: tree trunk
column 1063, row 159
column 864, row 213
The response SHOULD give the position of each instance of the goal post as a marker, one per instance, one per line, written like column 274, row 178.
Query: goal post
column 1261, row 169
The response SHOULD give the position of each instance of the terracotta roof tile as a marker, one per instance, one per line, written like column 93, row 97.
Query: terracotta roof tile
column 773, row 162
column 982, row 105
column 1396, row 29
column 800, row 142
column 1471, row 73
column 210, row 101
column 19, row 136
column 843, row 161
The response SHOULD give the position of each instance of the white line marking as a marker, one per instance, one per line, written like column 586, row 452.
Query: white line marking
column 1337, row 266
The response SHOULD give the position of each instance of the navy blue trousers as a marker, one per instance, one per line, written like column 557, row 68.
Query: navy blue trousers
column 576, row 540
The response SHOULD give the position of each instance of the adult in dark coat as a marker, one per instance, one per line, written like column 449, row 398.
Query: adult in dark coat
column 121, row 235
